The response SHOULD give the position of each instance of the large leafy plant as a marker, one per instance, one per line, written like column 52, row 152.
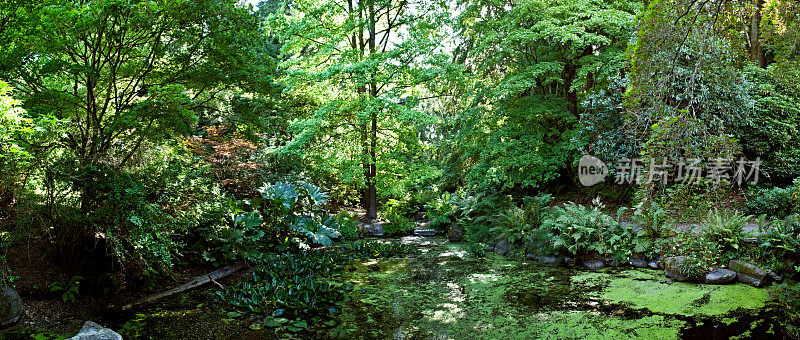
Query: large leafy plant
column 297, row 208
column 287, row 289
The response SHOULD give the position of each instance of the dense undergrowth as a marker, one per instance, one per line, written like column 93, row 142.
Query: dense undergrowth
column 140, row 140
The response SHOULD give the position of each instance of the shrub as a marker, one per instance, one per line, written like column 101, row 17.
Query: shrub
column 241, row 237
column 652, row 218
column 783, row 240
column 442, row 210
column 480, row 213
column 788, row 297
column 394, row 207
column 517, row 224
column 348, row 226
column 398, row 225
column 296, row 208
column 689, row 243
column 376, row 249
column 284, row 216
column 232, row 158
column 477, row 250
column 774, row 202
column 579, row 230
column 143, row 216
column 726, row 229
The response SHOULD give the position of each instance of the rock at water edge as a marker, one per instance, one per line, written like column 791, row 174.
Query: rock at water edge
column 93, row 331
column 720, row 276
column 10, row 307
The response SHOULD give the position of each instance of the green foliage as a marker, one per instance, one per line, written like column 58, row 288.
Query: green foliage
column 516, row 225
column 652, row 218
column 289, row 286
column 361, row 123
column 687, row 202
column 529, row 64
column 477, row 250
column 788, row 297
column 297, row 207
column 90, row 72
column 448, row 208
column 767, row 131
column 348, row 226
column 774, row 202
column 145, row 217
column 396, row 212
column 726, row 229
column 287, row 291
column 68, row 287
column 783, row 240
column 110, row 88
column 578, row 230
column 398, row 225
column 688, row 243
column 601, row 130
column 479, row 215
column 241, row 237
column 376, row 249
column 692, row 267
column 14, row 158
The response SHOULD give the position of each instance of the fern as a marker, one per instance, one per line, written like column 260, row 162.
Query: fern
column 577, row 229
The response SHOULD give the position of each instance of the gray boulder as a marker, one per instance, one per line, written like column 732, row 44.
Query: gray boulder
column 93, row 331
column 10, row 307
column 611, row 261
column 656, row 263
column 749, row 273
column 502, row 247
column 594, row 264
column 455, row 234
column 672, row 269
column 424, row 232
column 720, row 276
column 775, row 276
column 637, row 262
column 374, row 229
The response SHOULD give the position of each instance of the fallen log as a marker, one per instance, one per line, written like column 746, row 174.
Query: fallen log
column 199, row 281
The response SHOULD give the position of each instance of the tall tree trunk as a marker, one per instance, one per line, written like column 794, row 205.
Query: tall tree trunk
column 756, row 48
column 570, row 72
column 372, row 193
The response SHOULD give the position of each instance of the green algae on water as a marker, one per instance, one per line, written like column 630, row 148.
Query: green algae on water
column 639, row 289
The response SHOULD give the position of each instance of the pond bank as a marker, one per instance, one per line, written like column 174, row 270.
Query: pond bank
column 444, row 293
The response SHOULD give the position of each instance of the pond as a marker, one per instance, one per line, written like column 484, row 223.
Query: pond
column 444, row 293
